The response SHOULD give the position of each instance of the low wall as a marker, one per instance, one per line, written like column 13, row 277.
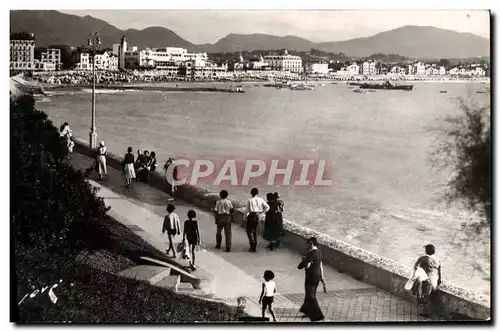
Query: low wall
column 452, row 301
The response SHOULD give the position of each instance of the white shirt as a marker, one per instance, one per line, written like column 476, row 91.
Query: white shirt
column 269, row 288
column 257, row 204
column 223, row 206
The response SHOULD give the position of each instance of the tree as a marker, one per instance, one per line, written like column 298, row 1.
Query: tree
column 464, row 146
column 444, row 62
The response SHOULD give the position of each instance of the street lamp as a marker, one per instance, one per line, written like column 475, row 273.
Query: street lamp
column 93, row 40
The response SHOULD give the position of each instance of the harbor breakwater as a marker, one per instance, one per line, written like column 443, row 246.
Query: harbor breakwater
column 452, row 301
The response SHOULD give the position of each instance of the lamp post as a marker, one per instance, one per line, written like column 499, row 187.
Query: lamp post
column 92, row 41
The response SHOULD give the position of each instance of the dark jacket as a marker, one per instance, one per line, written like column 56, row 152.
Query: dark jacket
column 313, row 272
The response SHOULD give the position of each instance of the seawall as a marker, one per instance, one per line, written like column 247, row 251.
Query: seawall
column 452, row 301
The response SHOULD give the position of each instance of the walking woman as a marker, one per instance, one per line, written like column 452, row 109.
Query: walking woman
column 272, row 229
column 101, row 160
column 171, row 185
column 128, row 167
column 314, row 274
column 192, row 235
column 171, row 224
column 66, row 134
column 280, row 209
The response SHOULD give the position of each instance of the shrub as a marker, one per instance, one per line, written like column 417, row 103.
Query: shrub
column 464, row 146
column 54, row 211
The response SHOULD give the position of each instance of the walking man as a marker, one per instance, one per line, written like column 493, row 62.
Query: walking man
column 256, row 208
column 223, row 211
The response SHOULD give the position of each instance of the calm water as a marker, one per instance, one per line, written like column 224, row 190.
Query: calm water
column 384, row 196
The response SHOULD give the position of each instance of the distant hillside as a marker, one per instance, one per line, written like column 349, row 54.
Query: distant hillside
column 53, row 27
column 415, row 42
column 257, row 41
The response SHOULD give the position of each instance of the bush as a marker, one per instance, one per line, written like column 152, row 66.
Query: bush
column 464, row 146
column 54, row 211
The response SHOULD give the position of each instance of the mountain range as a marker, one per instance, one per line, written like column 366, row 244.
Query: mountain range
column 421, row 42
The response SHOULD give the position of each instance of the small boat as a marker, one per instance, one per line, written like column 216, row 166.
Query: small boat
column 443, row 91
column 372, row 90
column 359, row 91
column 386, row 86
column 355, row 84
column 480, row 91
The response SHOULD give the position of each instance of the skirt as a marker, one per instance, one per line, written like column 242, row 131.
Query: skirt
column 129, row 171
column 101, row 165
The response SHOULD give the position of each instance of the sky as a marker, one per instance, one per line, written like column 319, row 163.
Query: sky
column 319, row 26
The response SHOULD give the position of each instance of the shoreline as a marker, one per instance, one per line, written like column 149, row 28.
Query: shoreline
column 187, row 86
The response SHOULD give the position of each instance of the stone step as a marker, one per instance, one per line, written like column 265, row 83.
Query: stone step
column 150, row 273
column 185, row 287
column 170, row 282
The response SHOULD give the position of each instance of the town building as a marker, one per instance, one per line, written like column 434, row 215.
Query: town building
column 317, row 68
column 369, row 68
column 22, row 51
column 285, row 62
column 420, row 69
column 202, row 70
column 257, row 63
column 103, row 61
column 159, row 58
column 52, row 55
column 442, row 71
column 353, row 69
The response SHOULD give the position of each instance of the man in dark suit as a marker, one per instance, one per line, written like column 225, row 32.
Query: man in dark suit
column 314, row 274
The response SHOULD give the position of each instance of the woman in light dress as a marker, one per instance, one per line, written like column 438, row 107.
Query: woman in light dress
column 101, row 160
column 128, row 167
column 66, row 133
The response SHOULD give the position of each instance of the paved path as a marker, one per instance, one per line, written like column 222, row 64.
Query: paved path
column 239, row 273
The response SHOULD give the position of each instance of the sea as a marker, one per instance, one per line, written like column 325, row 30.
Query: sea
column 385, row 196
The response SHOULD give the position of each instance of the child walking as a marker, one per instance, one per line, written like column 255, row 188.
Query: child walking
column 192, row 235
column 267, row 295
column 171, row 224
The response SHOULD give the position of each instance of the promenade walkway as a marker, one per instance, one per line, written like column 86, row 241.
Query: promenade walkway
column 239, row 272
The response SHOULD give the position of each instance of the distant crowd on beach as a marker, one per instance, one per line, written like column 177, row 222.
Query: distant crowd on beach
column 158, row 75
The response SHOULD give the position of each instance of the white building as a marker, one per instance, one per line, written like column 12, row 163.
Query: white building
column 479, row 71
column 420, row 69
column 369, row 68
column 103, row 61
column 285, row 62
column 353, row 69
column 22, row 51
column 160, row 57
column 442, row 71
column 454, row 71
column 52, row 55
column 317, row 68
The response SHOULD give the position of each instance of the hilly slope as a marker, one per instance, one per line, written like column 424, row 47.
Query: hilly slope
column 53, row 27
column 415, row 41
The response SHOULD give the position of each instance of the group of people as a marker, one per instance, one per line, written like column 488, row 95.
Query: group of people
column 427, row 269
column 140, row 168
column 257, row 210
